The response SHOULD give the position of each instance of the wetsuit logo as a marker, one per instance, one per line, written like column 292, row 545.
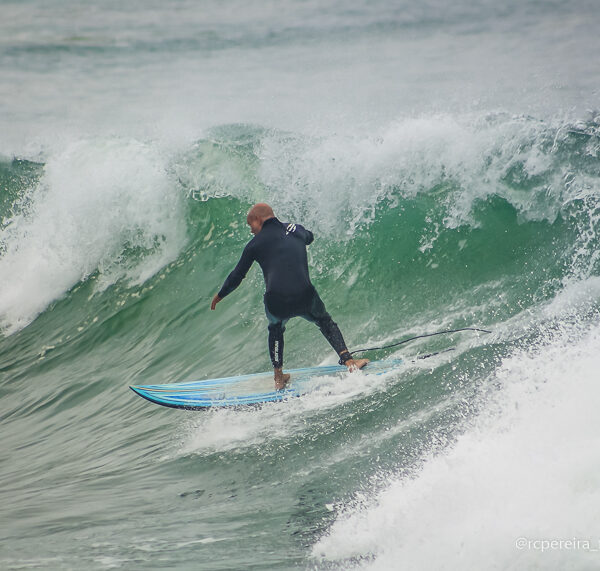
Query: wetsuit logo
column 290, row 228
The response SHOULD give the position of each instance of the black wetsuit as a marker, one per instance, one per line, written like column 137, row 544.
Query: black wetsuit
column 280, row 250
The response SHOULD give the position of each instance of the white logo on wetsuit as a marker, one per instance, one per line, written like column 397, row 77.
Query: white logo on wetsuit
column 290, row 228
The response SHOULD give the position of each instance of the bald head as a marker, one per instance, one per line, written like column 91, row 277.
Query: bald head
column 261, row 211
column 257, row 215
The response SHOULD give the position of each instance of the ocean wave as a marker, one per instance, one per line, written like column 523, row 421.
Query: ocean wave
column 429, row 193
column 524, row 468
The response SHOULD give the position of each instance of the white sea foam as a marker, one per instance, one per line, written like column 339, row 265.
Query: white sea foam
column 96, row 200
column 225, row 430
column 338, row 181
column 524, row 475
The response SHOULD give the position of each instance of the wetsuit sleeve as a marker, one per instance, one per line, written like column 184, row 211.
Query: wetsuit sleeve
column 307, row 235
column 234, row 279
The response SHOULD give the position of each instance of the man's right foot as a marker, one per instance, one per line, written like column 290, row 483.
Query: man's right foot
column 355, row 364
column 281, row 379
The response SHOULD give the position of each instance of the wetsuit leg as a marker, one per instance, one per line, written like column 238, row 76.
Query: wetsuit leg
column 276, row 329
column 318, row 314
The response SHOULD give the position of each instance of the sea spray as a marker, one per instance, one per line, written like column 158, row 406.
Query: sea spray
column 524, row 468
column 105, row 207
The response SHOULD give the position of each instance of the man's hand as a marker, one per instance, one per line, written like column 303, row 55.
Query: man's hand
column 215, row 300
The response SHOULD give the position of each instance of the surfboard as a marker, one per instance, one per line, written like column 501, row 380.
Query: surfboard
column 247, row 390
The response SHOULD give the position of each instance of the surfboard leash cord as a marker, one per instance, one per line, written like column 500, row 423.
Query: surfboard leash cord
column 420, row 337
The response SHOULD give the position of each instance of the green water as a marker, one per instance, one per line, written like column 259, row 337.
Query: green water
column 120, row 481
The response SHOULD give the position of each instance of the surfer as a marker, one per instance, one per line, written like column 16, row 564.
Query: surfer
column 280, row 250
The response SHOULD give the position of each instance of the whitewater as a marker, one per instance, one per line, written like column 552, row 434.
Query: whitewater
column 447, row 159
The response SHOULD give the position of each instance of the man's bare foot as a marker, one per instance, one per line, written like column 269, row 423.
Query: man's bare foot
column 355, row 364
column 281, row 379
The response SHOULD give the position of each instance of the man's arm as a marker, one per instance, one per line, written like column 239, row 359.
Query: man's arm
column 302, row 232
column 309, row 236
column 234, row 279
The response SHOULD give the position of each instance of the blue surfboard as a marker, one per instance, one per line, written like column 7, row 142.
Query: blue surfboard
column 243, row 390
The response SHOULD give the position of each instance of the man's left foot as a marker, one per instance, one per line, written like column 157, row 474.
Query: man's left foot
column 281, row 379
column 355, row 364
